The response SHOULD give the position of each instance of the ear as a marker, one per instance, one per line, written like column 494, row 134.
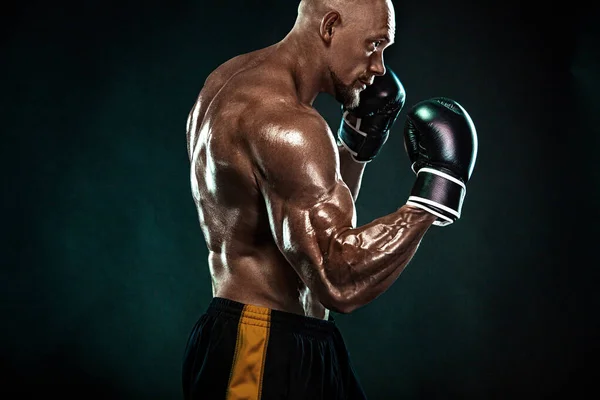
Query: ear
column 328, row 25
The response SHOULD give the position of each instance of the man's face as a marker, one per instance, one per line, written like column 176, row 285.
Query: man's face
column 357, row 50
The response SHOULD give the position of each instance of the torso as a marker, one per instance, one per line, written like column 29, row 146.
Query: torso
column 245, row 263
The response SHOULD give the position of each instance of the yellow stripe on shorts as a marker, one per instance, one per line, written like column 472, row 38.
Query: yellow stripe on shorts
column 245, row 381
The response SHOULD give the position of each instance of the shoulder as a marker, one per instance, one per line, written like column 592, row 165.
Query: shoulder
column 288, row 116
column 292, row 148
column 286, row 126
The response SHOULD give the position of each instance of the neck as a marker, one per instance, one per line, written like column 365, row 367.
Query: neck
column 301, row 54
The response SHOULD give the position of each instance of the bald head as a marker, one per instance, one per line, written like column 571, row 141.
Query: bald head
column 349, row 10
column 345, row 39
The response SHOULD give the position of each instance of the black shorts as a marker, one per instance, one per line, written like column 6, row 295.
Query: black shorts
column 238, row 351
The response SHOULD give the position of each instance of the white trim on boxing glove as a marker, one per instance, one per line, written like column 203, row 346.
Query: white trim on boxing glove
column 357, row 130
column 439, row 173
column 422, row 202
column 435, row 204
column 447, row 221
column 357, row 127
column 353, row 153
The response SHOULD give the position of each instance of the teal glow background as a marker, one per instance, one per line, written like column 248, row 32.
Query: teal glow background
column 103, row 263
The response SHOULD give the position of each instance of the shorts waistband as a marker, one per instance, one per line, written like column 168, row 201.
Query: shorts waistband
column 258, row 315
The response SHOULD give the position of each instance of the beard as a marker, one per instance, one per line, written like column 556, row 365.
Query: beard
column 347, row 95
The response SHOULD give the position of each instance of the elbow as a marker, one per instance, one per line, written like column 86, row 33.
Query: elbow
column 339, row 302
column 344, row 309
column 341, row 288
column 339, row 292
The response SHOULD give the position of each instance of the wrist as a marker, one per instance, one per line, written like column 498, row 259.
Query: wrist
column 348, row 154
column 438, row 193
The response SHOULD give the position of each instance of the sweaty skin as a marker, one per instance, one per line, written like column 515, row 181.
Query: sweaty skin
column 275, row 194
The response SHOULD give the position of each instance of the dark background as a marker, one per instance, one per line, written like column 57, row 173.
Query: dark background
column 103, row 263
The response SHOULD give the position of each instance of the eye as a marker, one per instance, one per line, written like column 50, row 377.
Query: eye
column 376, row 44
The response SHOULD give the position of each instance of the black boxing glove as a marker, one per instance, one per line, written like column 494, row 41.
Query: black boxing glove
column 441, row 142
column 364, row 129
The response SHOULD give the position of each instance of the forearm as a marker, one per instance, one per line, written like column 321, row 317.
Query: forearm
column 352, row 171
column 364, row 262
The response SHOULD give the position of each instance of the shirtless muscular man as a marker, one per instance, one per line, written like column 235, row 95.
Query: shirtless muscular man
column 275, row 192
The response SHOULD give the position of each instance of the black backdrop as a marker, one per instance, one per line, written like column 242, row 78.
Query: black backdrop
column 103, row 263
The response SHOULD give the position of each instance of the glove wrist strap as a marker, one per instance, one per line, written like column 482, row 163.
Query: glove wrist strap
column 438, row 193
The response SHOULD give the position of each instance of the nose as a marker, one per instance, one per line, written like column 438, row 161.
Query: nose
column 377, row 66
